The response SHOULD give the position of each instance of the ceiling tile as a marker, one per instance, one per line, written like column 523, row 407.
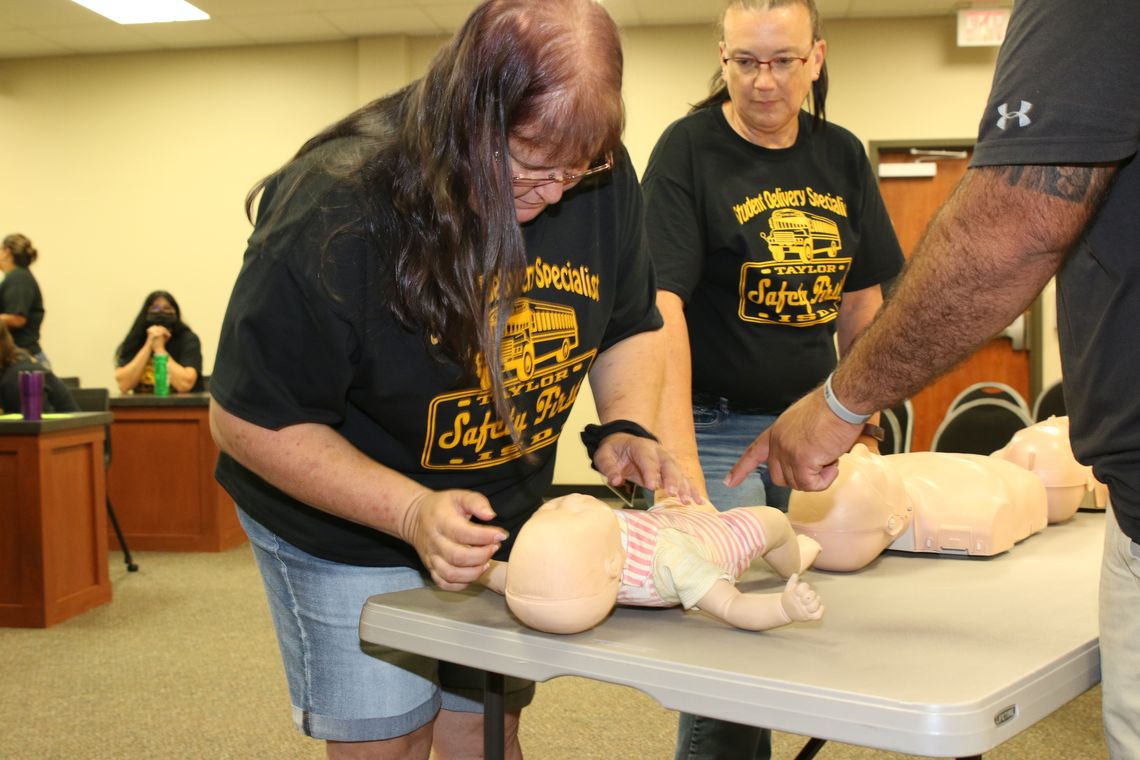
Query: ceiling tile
column 21, row 44
column 32, row 13
column 211, row 33
column 367, row 23
column 880, row 8
column 285, row 27
column 107, row 38
column 222, row 8
column 680, row 11
column 63, row 24
column 833, row 8
column 449, row 16
column 624, row 12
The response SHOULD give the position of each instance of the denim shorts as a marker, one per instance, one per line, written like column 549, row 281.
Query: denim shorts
column 341, row 688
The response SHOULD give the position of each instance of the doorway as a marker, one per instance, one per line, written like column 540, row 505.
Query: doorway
column 928, row 172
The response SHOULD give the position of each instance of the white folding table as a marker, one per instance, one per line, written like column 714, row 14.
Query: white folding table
column 935, row 655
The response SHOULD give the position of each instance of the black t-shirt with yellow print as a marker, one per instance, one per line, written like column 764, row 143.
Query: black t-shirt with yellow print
column 760, row 244
column 307, row 338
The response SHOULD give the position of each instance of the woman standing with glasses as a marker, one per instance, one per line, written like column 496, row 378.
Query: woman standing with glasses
column 428, row 283
column 770, row 239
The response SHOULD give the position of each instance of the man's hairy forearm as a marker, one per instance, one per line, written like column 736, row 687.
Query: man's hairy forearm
column 981, row 262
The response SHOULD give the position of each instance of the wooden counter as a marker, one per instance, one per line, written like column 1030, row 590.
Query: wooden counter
column 162, row 476
column 53, row 529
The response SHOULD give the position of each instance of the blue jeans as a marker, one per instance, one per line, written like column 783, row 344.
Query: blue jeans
column 722, row 436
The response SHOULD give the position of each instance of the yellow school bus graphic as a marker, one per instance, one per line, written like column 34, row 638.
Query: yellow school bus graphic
column 801, row 234
column 536, row 331
column 541, row 377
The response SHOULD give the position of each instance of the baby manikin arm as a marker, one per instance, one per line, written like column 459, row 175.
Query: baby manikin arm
column 495, row 577
column 786, row 552
column 760, row 612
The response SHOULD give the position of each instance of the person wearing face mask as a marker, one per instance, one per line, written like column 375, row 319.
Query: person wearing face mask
column 158, row 329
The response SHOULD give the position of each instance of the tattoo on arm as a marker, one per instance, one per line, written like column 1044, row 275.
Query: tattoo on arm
column 1071, row 183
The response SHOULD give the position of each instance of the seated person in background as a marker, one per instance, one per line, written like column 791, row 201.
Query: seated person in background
column 576, row 557
column 159, row 329
column 15, row 360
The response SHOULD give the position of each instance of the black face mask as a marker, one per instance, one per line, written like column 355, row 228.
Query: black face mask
column 165, row 320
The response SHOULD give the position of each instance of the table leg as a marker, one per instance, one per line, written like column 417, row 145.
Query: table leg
column 811, row 749
column 493, row 718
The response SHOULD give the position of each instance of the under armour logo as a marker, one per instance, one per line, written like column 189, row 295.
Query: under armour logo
column 1020, row 114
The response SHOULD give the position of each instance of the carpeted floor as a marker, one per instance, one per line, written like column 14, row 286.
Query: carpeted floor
column 183, row 664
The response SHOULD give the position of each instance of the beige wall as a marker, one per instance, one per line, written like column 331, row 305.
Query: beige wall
column 129, row 171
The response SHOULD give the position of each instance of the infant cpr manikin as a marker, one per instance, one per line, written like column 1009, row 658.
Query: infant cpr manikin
column 576, row 557
column 920, row 502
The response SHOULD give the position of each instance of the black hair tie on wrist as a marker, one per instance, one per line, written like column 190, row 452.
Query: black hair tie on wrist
column 592, row 435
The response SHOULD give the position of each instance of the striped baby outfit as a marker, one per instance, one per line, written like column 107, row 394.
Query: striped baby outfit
column 674, row 555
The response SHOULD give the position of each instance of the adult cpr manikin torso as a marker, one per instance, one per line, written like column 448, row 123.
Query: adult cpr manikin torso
column 921, row 502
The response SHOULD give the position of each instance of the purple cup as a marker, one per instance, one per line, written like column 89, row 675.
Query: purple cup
column 31, row 395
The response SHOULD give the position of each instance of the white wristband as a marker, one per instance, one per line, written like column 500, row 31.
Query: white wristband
column 838, row 408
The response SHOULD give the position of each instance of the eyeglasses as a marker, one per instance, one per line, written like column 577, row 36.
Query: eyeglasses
column 524, row 185
column 781, row 67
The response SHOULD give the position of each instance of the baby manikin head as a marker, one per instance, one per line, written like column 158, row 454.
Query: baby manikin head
column 857, row 516
column 566, row 565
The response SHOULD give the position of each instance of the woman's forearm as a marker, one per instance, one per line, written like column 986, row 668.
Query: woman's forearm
column 317, row 466
column 128, row 375
column 674, row 425
column 182, row 378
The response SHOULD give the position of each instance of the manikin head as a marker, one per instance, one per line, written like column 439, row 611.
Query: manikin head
column 857, row 516
column 1044, row 449
column 566, row 565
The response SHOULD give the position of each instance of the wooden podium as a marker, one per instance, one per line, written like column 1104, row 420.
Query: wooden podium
column 161, row 479
column 53, row 532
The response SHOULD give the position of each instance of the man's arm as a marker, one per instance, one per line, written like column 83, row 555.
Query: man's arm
column 856, row 311
column 986, row 255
